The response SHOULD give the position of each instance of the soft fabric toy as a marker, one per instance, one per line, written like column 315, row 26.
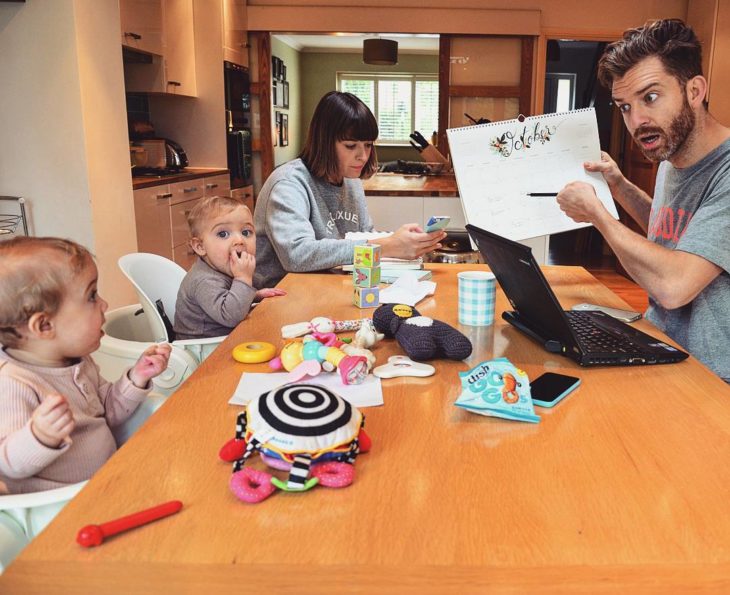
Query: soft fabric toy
column 305, row 429
column 421, row 337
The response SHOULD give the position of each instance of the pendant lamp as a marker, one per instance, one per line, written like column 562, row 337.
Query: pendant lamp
column 380, row 51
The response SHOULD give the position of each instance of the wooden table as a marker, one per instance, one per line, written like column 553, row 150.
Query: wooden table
column 624, row 486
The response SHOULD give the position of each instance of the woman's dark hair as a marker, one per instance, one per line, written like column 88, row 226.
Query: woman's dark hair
column 338, row 116
column 670, row 40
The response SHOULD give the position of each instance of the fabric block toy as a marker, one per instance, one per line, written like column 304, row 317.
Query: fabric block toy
column 366, row 297
column 367, row 255
column 305, row 429
column 422, row 338
column 366, row 276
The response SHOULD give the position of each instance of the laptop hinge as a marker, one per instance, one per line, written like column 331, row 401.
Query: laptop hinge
column 550, row 345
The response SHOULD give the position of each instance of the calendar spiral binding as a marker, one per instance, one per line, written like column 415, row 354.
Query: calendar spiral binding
column 518, row 121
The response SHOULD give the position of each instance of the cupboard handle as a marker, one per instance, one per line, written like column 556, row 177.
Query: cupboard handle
column 189, row 190
column 165, row 195
column 136, row 36
column 211, row 186
column 174, row 83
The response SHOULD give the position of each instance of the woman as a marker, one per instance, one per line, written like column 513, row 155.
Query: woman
column 307, row 205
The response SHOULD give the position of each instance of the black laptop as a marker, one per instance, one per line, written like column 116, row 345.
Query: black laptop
column 590, row 338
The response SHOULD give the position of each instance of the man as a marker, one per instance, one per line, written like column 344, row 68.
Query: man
column 655, row 76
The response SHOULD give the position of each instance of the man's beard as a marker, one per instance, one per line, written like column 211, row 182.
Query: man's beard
column 679, row 131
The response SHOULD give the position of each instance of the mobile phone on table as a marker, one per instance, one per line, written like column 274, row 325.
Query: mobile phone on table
column 625, row 315
column 551, row 388
column 437, row 223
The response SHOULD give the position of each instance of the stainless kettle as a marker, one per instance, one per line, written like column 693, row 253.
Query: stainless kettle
column 175, row 154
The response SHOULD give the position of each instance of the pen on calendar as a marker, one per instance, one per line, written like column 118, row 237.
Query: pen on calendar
column 542, row 194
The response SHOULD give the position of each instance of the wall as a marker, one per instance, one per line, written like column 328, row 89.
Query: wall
column 291, row 59
column 319, row 75
column 64, row 128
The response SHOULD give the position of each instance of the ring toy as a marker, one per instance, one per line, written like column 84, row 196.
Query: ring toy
column 254, row 352
column 333, row 474
column 251, row 485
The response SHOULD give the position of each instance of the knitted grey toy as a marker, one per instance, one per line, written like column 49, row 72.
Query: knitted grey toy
column 422, row 338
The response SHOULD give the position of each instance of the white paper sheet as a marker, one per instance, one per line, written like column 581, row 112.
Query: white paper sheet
column 499, row 163
column 367, row 394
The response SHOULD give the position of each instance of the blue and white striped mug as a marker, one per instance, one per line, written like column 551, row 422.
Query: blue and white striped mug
column 477, row 291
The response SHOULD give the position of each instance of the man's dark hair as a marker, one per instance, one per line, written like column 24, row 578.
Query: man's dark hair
column 670, row 40
column 338, row 116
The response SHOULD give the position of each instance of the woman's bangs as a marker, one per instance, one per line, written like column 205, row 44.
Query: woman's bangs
column 362, row 126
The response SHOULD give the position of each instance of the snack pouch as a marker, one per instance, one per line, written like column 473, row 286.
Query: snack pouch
column 497, row 388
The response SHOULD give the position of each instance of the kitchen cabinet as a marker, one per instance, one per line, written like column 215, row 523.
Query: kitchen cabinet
column 141, row 22
column 172, row 72
column 235, row 33
column 161, row 215
column 245, row 194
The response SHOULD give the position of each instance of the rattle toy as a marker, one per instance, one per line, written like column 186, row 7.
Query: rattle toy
column 319, row 325
column 308, row 357
column 304, row 429
column 254, row 352
column 400, row 365
column 92, row 535
column 421, row 337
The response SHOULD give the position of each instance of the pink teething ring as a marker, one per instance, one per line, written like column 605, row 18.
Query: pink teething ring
column 251, row 485
column 333, row 474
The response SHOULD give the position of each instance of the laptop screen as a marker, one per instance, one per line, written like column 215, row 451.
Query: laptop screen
column 525, row 286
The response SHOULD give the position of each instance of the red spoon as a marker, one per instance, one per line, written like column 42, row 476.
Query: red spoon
column 92, row 535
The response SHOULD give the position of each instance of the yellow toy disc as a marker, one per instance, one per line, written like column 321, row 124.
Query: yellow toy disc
column 255, row 352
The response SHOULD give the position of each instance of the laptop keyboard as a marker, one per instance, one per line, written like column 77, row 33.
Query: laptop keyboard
column 595, row 339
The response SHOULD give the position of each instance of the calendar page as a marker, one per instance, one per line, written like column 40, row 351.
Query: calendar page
column 502, row 168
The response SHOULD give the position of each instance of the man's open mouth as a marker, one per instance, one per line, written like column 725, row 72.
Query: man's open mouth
column 649, row 141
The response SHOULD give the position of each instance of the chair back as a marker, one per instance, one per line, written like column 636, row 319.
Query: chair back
column 154, row 278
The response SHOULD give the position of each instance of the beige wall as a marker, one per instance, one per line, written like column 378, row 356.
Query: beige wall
column 63, row 129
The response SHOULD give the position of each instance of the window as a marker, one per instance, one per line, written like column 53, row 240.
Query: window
column 401, row 103
column 559, row 92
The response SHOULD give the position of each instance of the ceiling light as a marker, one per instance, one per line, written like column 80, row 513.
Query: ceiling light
column 380, row 51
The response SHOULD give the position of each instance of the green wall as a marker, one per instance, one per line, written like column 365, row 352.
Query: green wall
column 318, row 72
column 292, row 61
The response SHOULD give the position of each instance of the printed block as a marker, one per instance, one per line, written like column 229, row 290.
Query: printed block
column 366, row 276
column 367, row 255
column 367, row 297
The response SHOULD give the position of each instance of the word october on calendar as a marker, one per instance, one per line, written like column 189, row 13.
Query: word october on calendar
column 499, row 164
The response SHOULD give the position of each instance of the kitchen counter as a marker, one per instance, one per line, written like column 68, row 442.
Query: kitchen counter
column 383, row 184
column 189, row 173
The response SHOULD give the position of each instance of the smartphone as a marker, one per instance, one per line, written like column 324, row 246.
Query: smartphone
column 625, row 315
column 437, row 223
column 550, row 388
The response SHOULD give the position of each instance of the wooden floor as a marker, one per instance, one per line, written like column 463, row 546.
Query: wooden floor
column 585, row 248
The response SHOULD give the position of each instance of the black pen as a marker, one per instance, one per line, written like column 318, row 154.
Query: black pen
column 542, row 194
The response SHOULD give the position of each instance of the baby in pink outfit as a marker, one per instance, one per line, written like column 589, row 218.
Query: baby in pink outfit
column 56, row 411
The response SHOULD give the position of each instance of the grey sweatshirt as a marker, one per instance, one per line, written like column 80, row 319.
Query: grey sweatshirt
column 301, row 222
column 209, row 303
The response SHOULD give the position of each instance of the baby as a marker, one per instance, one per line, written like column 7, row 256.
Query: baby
column 56, row 411
column 218, row 291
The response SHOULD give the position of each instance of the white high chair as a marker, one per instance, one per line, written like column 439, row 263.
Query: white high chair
column 156, row 278
column 23, row 516
column 126, row 335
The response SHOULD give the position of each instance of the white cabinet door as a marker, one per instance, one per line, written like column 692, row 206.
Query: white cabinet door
column 152, row 216
column 218, row 185
column 142, row 25
column 235, row 34
column 390, row 212
column 187, row 190
column 179, row 48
